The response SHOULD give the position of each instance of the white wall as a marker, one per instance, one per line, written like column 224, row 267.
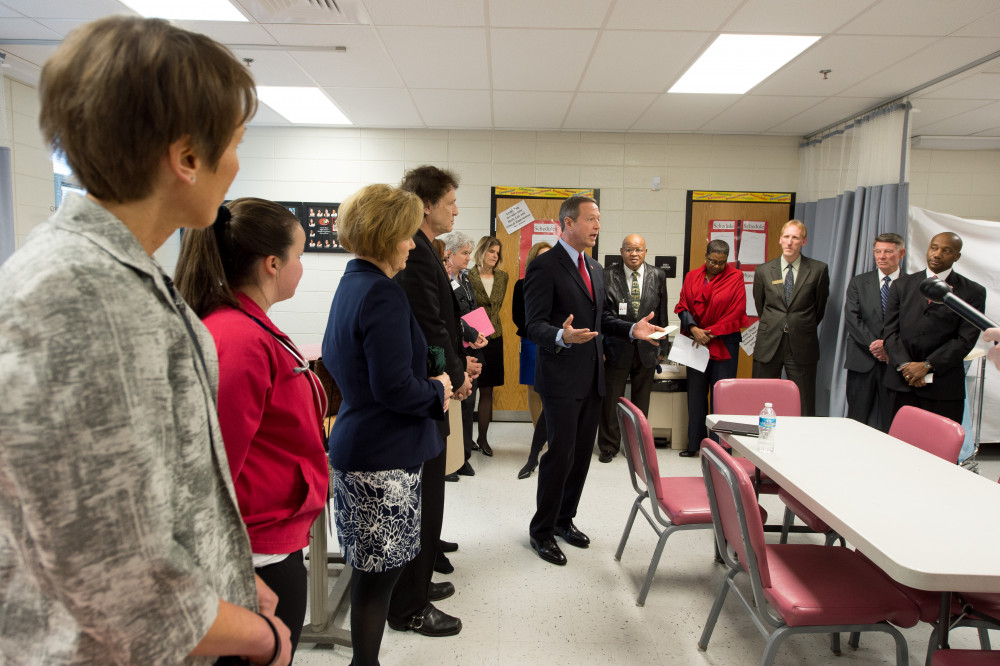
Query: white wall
column 34, row 187
column 329, row 164
column 965, row 183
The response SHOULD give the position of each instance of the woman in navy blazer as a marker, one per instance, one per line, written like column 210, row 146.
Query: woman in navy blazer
column 385, row 428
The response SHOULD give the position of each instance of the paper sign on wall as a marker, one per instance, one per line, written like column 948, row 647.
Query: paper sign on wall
column 750, row 338
column 753, row 242
column 748, row 286
column 516, row 217
column 725, row 230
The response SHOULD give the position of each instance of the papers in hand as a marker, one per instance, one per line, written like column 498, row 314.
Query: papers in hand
column 479, row 320
column 667, row 330
column 686, row 352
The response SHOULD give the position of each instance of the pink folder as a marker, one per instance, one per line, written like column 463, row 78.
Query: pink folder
column 479, row 320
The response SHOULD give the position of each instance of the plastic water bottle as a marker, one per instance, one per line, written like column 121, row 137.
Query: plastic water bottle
column 766, row 425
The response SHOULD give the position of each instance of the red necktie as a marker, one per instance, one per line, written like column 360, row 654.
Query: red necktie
column 586, row 276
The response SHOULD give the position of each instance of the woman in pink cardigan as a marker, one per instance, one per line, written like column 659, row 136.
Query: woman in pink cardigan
column 270, row 404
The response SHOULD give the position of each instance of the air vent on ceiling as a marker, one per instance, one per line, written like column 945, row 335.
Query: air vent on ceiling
column 306, row 11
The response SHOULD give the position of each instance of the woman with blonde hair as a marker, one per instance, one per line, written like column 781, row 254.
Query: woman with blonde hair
column 271, row 406
column 489, row 284
column 385, row 430
column 121, row 540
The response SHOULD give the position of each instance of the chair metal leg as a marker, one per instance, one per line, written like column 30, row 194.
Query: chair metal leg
column 773, row 643
column 902, row 651
column 832, row 538
column 931, row 645
column 786, row 524
column 835, row 643
column 984, row 638
column 854, row 639
column 713, row 615
column 628, row 528
column 653, row 563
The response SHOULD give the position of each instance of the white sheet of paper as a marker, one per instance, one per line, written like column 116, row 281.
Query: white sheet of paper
column 752, row 247
column 516, row 217
column 686, row 352
column 667, row 330
column 750, row 338
column 730, row 238
column 751, row 305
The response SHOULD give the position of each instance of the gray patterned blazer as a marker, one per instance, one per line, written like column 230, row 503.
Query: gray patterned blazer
column 119, row 527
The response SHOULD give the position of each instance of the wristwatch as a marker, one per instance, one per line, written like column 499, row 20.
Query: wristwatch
column 927, row 364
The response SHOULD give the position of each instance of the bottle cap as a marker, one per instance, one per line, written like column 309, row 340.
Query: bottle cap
column 767, row 404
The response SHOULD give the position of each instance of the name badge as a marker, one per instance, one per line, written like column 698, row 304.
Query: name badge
column 622, row 308
column 455, row 286
column 777, row 281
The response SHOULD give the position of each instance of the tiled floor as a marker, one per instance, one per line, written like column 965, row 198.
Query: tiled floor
column 516, row 609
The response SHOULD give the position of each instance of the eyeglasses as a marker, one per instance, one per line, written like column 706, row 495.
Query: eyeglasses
column 633, row 250
column 710, row 262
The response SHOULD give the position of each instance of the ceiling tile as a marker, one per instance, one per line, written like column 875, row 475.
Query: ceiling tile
column 267, row 116
column 230, row 32
column 439, row 57
column 919, row 17
column 986, row 26
column 549, row 14
column 79, row 9
column 606, row 111
column 366, row 63
column 33, row 55
column 22, row 28
column 275, row 68
column 534, row 110
column 970, row 122
column 288, row 34
column 377, row 107
column 803, row 17
column 539, row 59
column 827, row 112
column 935, row 60
column 979, row 86
column 641, row 61
column 931, row 111
column 7, row 12
column 683, row 113
column 852, row 59
column 426, row 12
column 672, row 14
column 753, row 114
column 454, row 108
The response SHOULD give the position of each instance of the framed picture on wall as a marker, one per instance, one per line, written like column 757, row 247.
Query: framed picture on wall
column 319, row 221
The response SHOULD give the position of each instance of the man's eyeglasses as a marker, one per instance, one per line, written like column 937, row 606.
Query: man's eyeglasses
column 711, row 262
column 633, row 250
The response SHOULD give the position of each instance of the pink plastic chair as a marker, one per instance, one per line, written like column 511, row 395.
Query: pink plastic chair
column 747, row 397
column 965, row 658
column 681, row 501
column 795, row 588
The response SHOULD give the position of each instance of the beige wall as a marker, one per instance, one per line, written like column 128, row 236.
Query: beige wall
column 34, row 188
column 965, row 183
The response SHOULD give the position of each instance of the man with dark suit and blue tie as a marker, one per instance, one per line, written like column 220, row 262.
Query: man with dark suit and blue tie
column 565, row 317
column 868, row 399
column 790, row 293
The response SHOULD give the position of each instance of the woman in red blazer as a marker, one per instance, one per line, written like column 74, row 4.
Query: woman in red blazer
column 270, row 404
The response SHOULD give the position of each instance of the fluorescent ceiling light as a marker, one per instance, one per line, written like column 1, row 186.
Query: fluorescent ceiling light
column 734, row 64
column 186, row 10
column 302, row 106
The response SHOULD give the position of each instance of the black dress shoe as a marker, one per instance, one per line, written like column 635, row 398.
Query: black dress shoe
column 548, row 550
column 474, row 447
column 687, row 454
column 573, row 536
column 606, row 456
column 485, row 449
column 466, row 470
column 430, row 622
column 439, row 591
column 443, row 564
column 526, row 471
column 447, row 546
column 452, row 478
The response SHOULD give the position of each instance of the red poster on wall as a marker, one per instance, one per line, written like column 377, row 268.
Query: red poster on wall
column 537, row 231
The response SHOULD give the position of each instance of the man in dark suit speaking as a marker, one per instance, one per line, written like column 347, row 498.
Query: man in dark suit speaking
column 926, row 341
column 634, row 289
column 790, row 293
column 868, row 399
column 565, row 315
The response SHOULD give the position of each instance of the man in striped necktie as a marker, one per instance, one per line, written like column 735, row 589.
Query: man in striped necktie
column 868, row 399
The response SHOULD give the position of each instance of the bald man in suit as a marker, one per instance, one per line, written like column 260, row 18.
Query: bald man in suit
column 790, row 293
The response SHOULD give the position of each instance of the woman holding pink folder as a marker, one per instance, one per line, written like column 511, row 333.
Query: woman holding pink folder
column 489, row 284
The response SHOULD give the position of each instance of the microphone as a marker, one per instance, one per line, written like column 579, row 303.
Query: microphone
column 939, row 291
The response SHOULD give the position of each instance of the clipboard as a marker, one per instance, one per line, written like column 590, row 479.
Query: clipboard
column 733, row 428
